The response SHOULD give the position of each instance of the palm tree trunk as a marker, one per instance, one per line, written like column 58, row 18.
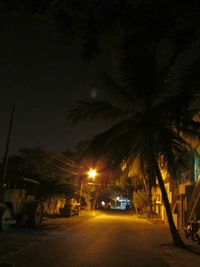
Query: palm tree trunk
column 174, row 232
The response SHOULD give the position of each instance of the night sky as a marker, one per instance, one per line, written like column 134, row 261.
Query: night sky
column 44, row 76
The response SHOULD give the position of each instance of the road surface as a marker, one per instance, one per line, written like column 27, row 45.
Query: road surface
column 107, row 240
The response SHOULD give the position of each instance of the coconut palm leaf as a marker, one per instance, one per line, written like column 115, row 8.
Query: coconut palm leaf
column 96, row 109
column 115, row 92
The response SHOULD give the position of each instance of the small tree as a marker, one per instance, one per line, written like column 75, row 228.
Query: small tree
column 140, row 201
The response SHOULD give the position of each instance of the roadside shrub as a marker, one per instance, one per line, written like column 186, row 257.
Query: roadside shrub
column 140, row 201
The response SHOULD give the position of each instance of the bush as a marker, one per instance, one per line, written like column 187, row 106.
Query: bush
column 140, row 201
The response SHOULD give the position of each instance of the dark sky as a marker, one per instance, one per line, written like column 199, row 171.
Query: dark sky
column 44, row 76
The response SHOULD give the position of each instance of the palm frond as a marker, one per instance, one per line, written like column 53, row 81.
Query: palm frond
column 190, row 134
column 123, row 141
column 173, row 150
column 96, row 110
column 117, row 93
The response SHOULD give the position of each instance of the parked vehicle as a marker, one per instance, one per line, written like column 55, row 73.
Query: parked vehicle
column 70, row 209
column 19, row 204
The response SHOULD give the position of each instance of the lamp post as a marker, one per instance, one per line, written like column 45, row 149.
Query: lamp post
column 5, row 160
column 91, row 174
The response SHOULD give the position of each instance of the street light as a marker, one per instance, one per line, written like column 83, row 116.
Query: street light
column 92, row 173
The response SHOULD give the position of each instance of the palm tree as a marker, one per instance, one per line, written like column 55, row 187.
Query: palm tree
column 154, row 96
column 152, row 108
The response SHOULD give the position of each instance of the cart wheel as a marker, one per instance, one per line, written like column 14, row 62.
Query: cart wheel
column 35, row 214
column 5, row 215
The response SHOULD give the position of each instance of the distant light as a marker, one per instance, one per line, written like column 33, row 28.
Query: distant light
column 92, row 173
column 103, row 203
column 123, row 165
column 117, row 198
column 93, row 93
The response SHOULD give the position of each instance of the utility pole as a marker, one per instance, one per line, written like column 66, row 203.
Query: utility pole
column 5, row 159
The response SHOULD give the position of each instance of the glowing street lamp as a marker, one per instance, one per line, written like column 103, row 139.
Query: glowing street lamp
column 92, row 173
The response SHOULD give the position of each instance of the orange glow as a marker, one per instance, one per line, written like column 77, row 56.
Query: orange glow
column 92, row 173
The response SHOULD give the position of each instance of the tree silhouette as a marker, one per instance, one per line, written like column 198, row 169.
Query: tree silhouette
column 153, row 101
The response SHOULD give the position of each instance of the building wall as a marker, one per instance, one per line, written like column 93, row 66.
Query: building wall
column 179, row 194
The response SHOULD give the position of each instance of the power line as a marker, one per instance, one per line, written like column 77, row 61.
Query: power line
column 66, row 170
column 53, row 154
column 66, row 158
